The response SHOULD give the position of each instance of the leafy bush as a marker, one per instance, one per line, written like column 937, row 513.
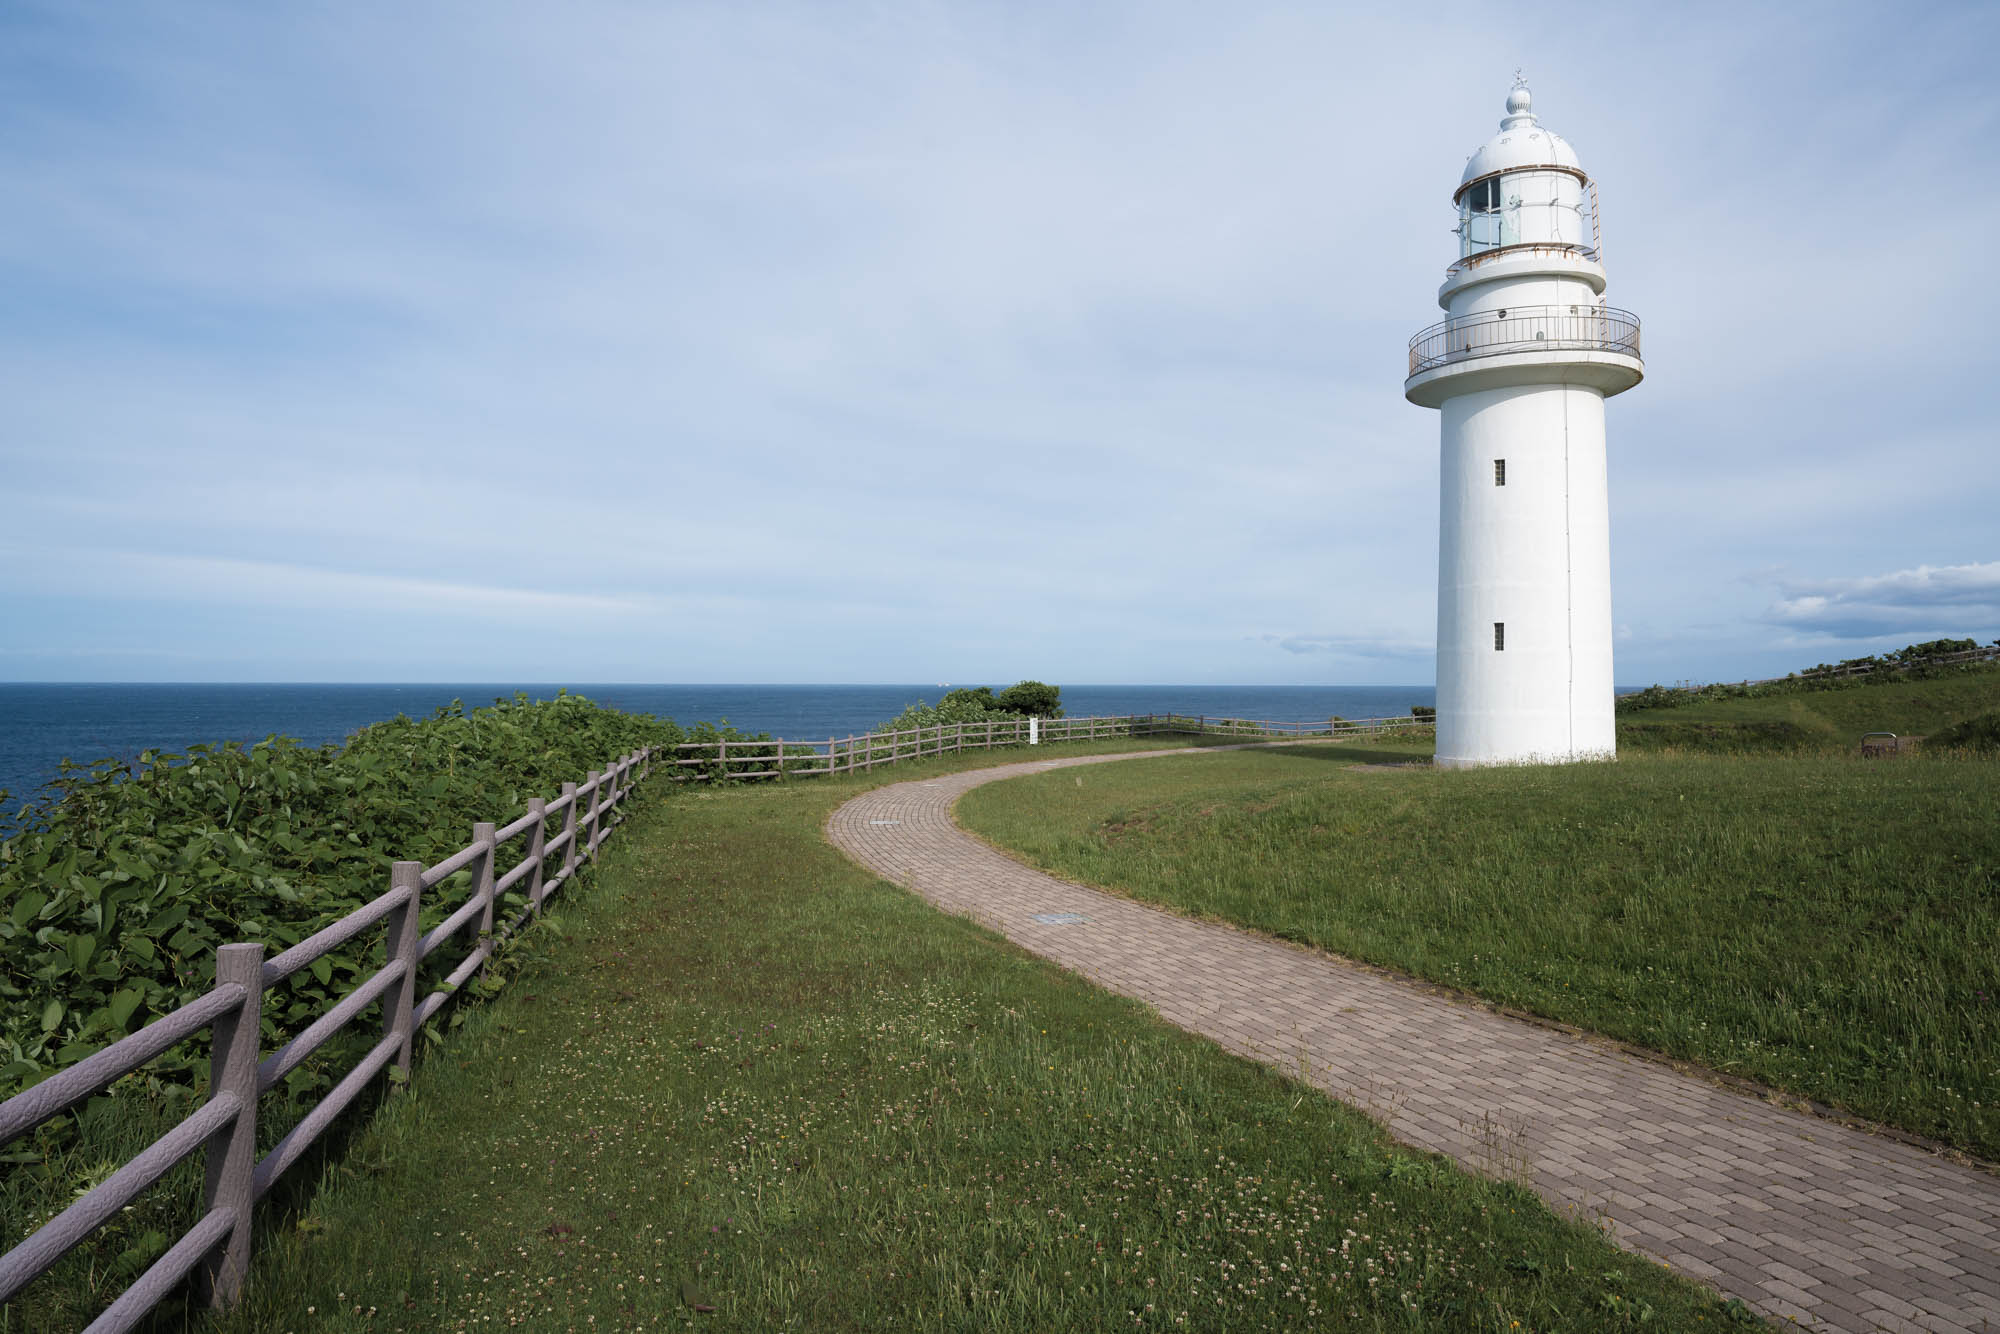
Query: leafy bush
column 121, row 883
column 981, row 705
column 1037, row 699
column 960, row 706
column 1422, row 711
column 1935, row 648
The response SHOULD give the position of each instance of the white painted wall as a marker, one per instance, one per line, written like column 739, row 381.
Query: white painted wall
column 1540, row 290
column 1536, row 555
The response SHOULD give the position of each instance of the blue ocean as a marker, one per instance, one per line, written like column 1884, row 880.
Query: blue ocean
column 41, row 725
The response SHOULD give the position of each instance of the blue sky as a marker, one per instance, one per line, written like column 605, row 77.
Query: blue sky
column 657, row 342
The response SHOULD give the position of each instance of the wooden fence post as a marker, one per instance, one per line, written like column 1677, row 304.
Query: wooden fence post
column 399, row 1006
column 722, row 757
column 537, row 841
column 569, row 827
column 587, row 831
column 232, row 1152
column 482, row 884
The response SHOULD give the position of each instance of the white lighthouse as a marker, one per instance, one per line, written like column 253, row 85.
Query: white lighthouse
column 1519, row 371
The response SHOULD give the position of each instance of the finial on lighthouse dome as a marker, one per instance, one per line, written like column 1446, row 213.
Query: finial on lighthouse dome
column 1522, row 141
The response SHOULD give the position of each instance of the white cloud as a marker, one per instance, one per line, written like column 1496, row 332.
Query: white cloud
column 1948, row 600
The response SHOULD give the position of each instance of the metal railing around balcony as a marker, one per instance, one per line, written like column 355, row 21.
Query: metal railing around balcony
column 1525, row 329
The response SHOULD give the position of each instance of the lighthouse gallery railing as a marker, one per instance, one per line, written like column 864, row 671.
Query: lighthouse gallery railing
column 1525, row 329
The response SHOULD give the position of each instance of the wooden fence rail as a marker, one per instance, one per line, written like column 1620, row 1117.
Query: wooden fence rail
column 700, row 761
column 1987, row 654
column 216, row 1250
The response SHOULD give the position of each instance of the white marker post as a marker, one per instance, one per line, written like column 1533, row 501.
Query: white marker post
column 1034, row 731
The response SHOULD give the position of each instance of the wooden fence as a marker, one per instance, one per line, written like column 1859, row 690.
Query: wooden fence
column 1962, row 657
column 696, row 761
column 216, row 1250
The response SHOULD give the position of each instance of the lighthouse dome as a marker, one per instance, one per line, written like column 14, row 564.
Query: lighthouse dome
column 1521, row 144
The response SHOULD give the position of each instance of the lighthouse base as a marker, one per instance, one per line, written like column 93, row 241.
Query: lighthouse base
column 1487, row 762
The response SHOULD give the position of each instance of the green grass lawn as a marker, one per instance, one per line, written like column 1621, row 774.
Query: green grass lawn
column 1823, row 924
column 742, row 1073
column 1838, row 718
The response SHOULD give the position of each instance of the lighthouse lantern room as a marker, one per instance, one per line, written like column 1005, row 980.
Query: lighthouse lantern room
column 1519, row 371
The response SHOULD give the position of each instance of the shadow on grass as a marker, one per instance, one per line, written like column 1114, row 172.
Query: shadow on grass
column 1350, row 753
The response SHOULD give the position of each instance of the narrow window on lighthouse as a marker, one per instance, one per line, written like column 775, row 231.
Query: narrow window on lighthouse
column 1499, row 636
column 1499, row 472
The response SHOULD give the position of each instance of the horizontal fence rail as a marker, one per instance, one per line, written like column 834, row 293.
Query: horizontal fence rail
column 215, row 1252
column 1987, row 654
column 722, row 757
column 1525, row 329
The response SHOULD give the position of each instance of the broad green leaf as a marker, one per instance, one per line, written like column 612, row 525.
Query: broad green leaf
column 123, row 1003
column 52, row 1014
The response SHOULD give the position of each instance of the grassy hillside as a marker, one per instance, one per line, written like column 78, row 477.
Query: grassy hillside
column 749, row 1076
column 1834, row 718
column 1818, row 922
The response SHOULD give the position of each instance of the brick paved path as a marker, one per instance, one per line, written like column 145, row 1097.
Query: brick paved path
column 1796, row 1215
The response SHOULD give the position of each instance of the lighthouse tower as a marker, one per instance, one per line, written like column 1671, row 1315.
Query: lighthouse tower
column 1519, row 371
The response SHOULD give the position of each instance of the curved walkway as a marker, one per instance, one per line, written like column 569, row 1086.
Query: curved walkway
column 1796, row 1215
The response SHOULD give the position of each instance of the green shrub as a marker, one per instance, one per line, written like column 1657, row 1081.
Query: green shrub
column 960, row 706
column 1037, row 699
column 981, row 705
column 122, row 882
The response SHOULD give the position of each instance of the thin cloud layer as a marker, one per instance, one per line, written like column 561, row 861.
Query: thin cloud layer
column 1354, row 645
column 1954, row 600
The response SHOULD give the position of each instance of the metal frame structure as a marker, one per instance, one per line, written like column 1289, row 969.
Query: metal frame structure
column 1525, row 329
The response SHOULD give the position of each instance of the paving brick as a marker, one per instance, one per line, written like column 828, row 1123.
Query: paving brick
column 1793, row 1214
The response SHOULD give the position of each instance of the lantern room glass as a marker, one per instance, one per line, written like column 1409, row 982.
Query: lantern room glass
column 1521, row 208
